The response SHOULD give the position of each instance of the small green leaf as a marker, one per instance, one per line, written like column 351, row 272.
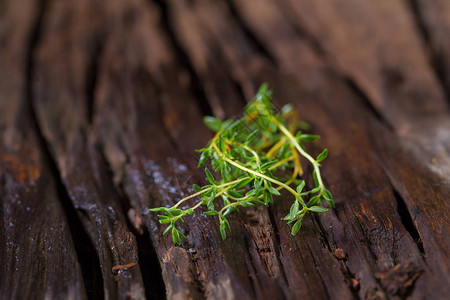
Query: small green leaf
column 168, row 229
column 221, row 143
column 176, row 236
column 227, row 224
column 203, row 158
column 165, row 221
column 318, row 209
column 234, row 193
column 252, row 136
column 267, row 196
column 210, row 203
column 182, row 234
column 313, row 201
column 223, row 233
column 210, row 177
column 268, row 164
column 308, row 137
column 322, row 155
column 329, row 198
column 284, row 151
column 213, row 123
column 296, row 227
column 274, row 191
column 246, row 203
column 294, row 209
column 211, row 213
column 196, row 187
column 158, row 209
column 190, row 211
column 259, row 202
column 301, row 186
column 175, row 211
column 242, row 183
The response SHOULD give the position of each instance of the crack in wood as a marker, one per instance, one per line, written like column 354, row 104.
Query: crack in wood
column 148, row 259
column 435, row 59
column 254, row 40
column 195, row 83
column 408, row 221
column 359, row 92
column 91, row 75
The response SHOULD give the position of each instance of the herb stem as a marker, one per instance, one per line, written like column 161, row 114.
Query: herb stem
column 294, row 142
column 253, row 172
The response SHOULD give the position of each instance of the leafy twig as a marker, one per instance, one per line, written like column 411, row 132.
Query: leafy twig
column 246, row 154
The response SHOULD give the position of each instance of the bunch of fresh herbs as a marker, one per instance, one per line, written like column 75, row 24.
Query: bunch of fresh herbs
column 250, row 158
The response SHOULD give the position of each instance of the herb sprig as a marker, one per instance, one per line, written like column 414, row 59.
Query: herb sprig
column 250, row 158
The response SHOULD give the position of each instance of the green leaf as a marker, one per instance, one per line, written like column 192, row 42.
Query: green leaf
column 210, row 203
column 268, row 165
column 175, row 211
column 245, row 203
column 308, row 137
column 259, row 202
column 223, row 233
column 300, row 200
column 210, row 177
column 296, row 227
column 196, row 187
column 294, row 209
column 329, row 198
column 221, row 143
column 213, row 123
column 242, row 183
column 267, row 196
column 182, row 234
column 262, row 91
column 252, row 136
column 190, row 211
column 203, row 158
column 284, row 151
column 227, row 224
column 234, row 193
column 318, row 209
column 313, row 201
column 165, row 221
column 322, row 155
column 273, row 191
column 210, row 213
column 156, row 209
column 301, row 186
column 176, row 236
column 168, row 229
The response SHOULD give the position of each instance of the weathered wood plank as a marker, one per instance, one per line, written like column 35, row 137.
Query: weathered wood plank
column 283, row 45
column 119, row 90
column 37, row 255
column 63, row 86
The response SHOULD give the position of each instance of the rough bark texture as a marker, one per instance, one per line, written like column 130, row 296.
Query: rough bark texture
column 101, row 106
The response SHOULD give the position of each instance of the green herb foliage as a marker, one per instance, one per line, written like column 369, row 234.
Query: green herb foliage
column 249, row 158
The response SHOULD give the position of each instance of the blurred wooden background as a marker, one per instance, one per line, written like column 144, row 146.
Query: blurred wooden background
column 101, row 106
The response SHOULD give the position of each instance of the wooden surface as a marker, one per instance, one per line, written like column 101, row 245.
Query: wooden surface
column 101, row 106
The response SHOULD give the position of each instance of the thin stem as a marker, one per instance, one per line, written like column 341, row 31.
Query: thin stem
column 253, row 172
column 205, row 190
column 301, row 151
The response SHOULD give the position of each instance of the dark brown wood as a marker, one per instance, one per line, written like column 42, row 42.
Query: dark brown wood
column 101, row 108
column 37, row 256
